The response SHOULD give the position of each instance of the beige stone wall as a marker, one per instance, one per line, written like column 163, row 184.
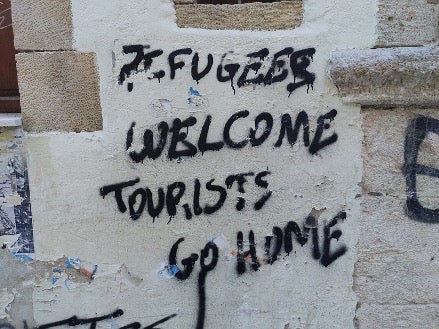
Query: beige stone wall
column 396, row 273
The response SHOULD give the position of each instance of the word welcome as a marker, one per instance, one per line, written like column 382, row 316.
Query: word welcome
column 75, row 321
column 179, row 146
column 273, row 246
column 143, row 197
column 278, row 69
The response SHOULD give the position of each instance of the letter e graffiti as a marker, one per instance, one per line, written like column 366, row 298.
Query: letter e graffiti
column 416, row 132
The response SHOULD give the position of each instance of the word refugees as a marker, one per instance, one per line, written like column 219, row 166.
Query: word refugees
column 278, row 70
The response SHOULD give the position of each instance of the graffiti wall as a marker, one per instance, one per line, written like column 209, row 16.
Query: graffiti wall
column 224, row 181
column 225, row 187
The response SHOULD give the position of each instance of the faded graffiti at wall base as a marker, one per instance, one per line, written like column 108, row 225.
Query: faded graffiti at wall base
column 75, row 321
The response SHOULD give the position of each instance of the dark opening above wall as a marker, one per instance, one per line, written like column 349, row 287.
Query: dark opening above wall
column 231, row 2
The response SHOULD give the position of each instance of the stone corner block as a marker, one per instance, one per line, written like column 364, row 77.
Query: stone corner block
column 250, row 16
column 59, row 91
column 42, row 24
column 387, row 76
column 406, row 22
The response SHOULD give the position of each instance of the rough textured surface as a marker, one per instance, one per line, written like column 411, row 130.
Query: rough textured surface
column 42, row 24
column 59, row 91
column 396, row 273
column 397, row 316
column 387, row 77
column 21, row 276
column 15, row 276
column 406, row 22
column 252, row 16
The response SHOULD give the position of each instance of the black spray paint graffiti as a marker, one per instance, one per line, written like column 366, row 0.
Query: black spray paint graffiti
column 277, row 67
column 272, row 251
column 75, row 321
column 179, row 146
column 273, row 244
column 143, row 198
column 188, row 264
column 416, row 132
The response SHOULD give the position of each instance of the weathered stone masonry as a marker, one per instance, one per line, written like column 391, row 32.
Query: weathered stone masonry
column 396, row 271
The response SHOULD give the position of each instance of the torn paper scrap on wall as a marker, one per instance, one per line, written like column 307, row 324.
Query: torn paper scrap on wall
column 15, row 207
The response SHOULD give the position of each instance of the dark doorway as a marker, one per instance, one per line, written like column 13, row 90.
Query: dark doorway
column 9, row 96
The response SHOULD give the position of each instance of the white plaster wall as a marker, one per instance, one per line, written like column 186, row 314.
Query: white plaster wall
column 67, row 170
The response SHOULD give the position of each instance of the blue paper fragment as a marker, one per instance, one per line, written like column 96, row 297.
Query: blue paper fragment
column 173, row 269
column 72, row 262
column 194, row 92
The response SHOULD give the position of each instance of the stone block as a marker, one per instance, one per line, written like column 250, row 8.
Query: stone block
column 251, row 16
column 383, row 151
column 397, row 261
column 59, row 91
column 406, row 23
column 387, row 77
column 371, row 316
column 42, row 24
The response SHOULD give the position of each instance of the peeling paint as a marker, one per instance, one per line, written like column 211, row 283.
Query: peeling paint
column 221, row 241
column 6, row 299
column 15, row 209
column 23, row 257
column 12, row 200
column 195, row 98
